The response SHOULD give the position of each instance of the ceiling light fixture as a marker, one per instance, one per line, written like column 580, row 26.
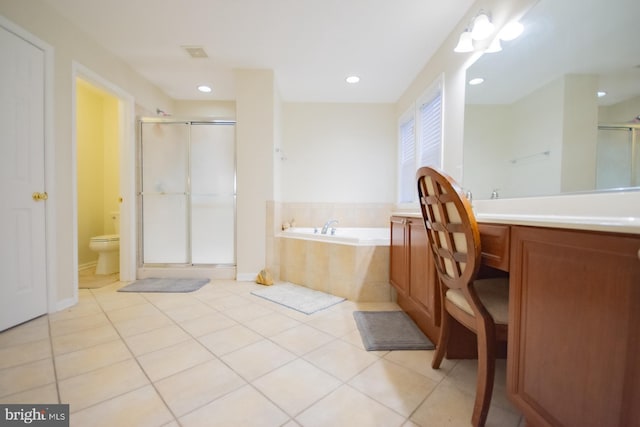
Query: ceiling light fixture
column 204, row 89
column 465, row 43
column 352, row 79
column 601, row 94
column 482, row 27
column 476, row 81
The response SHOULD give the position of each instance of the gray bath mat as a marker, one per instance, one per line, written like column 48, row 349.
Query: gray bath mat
column 153, row 284
column 390, row 330
column 299, row 298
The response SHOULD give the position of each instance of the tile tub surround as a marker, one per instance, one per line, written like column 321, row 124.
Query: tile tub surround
column 358, row 273
column 221, row 356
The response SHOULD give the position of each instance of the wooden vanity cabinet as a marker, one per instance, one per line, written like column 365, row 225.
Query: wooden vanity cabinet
column 413, row 274
column 574, row 337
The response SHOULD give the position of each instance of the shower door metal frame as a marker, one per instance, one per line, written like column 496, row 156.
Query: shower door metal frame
column 187, row 194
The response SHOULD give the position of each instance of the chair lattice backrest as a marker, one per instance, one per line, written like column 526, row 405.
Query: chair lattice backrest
column 451, row 227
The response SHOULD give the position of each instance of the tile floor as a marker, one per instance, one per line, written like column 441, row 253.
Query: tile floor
column 223, row 357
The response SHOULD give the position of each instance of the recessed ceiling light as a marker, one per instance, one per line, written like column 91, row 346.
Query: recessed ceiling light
column 601, row 93
column 476, row 81
column 353, row 79
column 204, row 88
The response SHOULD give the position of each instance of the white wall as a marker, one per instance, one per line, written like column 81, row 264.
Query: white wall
column 339, row 153
column 36, row 17
column 255, row 139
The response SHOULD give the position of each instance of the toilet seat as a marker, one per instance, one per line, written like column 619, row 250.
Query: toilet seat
column 106, row 238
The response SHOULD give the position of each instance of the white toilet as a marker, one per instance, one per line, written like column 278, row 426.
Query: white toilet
column 108, row 248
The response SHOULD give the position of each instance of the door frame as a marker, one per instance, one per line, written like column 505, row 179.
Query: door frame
column 49, row 161
column 127, row 171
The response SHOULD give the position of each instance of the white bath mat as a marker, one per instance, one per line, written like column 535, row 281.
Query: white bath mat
column 297, row 297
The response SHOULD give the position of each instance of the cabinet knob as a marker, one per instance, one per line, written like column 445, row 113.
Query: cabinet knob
column 638, row 253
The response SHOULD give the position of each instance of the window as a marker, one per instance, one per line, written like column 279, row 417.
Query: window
column 420, row 140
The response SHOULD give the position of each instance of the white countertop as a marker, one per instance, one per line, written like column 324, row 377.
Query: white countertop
column 617, row 212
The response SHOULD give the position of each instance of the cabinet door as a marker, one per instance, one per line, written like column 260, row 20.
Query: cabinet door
column 423, row 278
column 573, row 339
column 398, row 267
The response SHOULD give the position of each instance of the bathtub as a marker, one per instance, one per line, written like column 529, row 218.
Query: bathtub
column 353, row 263
column 356, row 236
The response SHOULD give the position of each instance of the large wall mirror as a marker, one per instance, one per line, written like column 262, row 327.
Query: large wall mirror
column 537, row 126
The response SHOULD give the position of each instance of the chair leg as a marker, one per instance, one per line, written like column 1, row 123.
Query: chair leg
column 486, row 372
column 443, row 339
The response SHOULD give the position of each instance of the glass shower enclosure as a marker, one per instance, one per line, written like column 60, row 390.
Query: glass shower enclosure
column 618, row 156
column 187, row 192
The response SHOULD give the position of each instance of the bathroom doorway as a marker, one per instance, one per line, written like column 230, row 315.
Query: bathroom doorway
column 98, row 185
column 122, row 154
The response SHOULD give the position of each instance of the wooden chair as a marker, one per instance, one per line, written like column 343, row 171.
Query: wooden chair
column 480, row 305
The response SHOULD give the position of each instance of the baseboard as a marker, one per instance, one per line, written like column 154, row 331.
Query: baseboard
column 246, row 277
column 65, row 303
column 87, row 265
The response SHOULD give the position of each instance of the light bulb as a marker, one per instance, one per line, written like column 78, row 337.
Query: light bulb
column 465, row 43
column 482, row 27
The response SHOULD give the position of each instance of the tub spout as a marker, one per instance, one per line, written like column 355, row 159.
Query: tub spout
column 326, row 226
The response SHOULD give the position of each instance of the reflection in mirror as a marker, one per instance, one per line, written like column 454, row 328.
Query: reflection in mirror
column 536, row 125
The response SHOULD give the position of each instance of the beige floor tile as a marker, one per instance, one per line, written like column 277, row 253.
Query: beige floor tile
column 296, row 385
column 229, row 339
column 83, row 308
column 24, row 353
column 176, row 358
column 132, row 312
column 77, row 324
column 101, row 384
column 394, row 386
column 140, row 408
column 420, row 361
column 156, row 339
column 272, row 324
column 139, row 325
column 348, row 407
column 197, row 386
column 88, row 338
column 189, row 312
column 39, row 395
column 88, row 359
column 167, row 301
column 302, row 339
column 227, row 302
column 247, row 312
column 257, row 359
column 450, row 406
column 341, row 359
column 26, row 377
column 110, row 300
column 243, row 407
column 335, row 323
column 464, row 376
column 33, row 330
column 208, row 323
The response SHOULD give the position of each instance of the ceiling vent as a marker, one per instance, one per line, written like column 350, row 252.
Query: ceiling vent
column 195, row 51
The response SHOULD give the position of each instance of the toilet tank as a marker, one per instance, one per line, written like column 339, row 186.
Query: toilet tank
column 115, row 219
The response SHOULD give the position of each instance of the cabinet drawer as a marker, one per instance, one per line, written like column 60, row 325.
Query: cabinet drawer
column 494, row 240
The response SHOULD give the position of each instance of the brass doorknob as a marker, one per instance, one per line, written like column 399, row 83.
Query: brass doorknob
column 39, row 196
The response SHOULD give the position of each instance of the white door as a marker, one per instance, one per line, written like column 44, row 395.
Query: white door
column 23, row 286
